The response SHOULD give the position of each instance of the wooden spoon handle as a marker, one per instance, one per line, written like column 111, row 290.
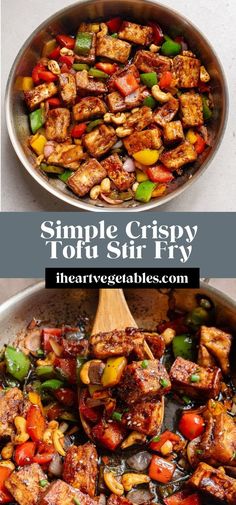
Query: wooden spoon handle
column 112, row 312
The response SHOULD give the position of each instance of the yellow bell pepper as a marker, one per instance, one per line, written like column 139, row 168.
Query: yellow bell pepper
column 147, row 156
column 141, row 176
column 159, row 190
column 191, row 137
column 113, row 371
column 37, row 143
column 24, row 83
column 35, row 399
column 48, row 47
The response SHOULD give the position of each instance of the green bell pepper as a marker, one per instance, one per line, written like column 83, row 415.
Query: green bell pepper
column 197, row 317
column 83, row 43
column 170, row 47
column 52, row 384
column 51, row 169
column 144, row 191
column 95, row 72
column 65, row 176
column 37, row 120
column 207, row 112
column 114, row 35
column 80, row 66
column 93, row 124
column 150, row 102
column 46, row 371
column 149, row 79
column 80, row 360
column 17, row 363
column 182, row 345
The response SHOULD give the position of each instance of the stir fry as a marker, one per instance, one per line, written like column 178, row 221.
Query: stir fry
column 123, row 417
column 118, row 110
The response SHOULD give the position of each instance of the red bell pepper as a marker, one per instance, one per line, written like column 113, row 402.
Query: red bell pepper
column 110, row 435
column 114, row 24
column 91, row 414
column 191, row 425
column 67, row 60
column 158, row 36
column 177, row 324
column 47, row 76
column 35, row 73
column 54, row 102
column 24, row 453
column 200, row 144
column 78, row 130
column 66, row 41
column 55, row 54
column 183, row 498
column 108, row 68
column 126, row 84
column 35, row 423
column 65, row 69
column 203, row 87
column 67, row 368
column 51, row 333
column 167, row 435
column 159, row 173
column 165, row 80
column 161, row 470
column 44, row 454
column 5, row 496
column 66, row 396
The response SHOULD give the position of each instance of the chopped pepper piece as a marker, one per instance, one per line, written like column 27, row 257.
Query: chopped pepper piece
column 161, row 470
column 17, row 363
column 149, row 79
column 150, row 102
column 66, row 41
column 83, row 43
column 141, row 176
column 49, row 47
column 144, row 191
column 147, row 156
column 126, row 84
column 24, row 83
column 114, row 24
column 95, row 72
column 37, row 120
column 207, row 112
column 159, row 173
column 65, row 176
column 52, row 384
column 80, row 66
column 51, row 169
column 170, row 47
column 182, row 345
column 37, row 143
column 113, row 371
column 93, row 124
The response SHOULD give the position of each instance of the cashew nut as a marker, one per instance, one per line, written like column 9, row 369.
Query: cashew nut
column 66, row 52
column 134, row 438
column 153, row 48
column 103, row 30
column 20, row 424
column 8, row 464
column 168, row 334
column 7, row 451
column 49, row 360
column 129, row 480
column 119, row 118
column 159, row 95
column 84, row 372
column 95, row 192
column 105, row 185
column 54, row 67
column 57, row 435
column 113, row 484
column 121, row 131
column 204, row 76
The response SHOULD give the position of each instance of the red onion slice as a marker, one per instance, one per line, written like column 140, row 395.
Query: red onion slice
column 129, row 165
column 48, row 149
column 110, row 200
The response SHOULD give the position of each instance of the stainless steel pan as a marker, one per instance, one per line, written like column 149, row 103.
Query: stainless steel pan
column 68, row 20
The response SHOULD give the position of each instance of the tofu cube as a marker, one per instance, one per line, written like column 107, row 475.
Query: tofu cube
column 147, row 139
column 215, row 483
column 144, row 417
column 146, row 61
column 24, row 484
column 38, row 94
column 100, row 140
column 138, row 34
column 194, row 380
column 57, row 124
column 114, row 49
column 186, row 71
column 87, row 176
column 61, row 493
column 67, row 88
column 178, row 157
column 81, row 468
column 191, row 110
column 173, row 132
column 122, row 179
column 88, row 108
column 91, row 56
column 214, row 347
column 116, row 102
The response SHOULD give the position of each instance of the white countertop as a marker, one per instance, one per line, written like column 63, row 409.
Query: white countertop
column 214, row 191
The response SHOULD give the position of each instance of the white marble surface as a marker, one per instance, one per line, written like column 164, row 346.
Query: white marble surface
column 214, row 191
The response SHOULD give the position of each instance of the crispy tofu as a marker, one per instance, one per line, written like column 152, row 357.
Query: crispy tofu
column 88, row 175
column 88, row 108
column 186, row 71
column 91, row 56
column 11, row 404
column 61, row 493
column 139, row 383
column 122, row 72
column 114, row 49
column 178, row 157
column 118, row 500
column 167, row 112
column 173, row 132
column 215, row 483
column 138, row 34
column 81, row 468
column 191, row 109
column 35, row 96
column 147, row 139
column 67, row 155
column 118, row 103
column 183, row 374
column 57, row 124
column 146, row 61
column 139, row 119
column 100, row 140
column 24, row 484
column 214, row 348
column 67, row 88
column 122, row 179
column 144, row 417
column 87, row 85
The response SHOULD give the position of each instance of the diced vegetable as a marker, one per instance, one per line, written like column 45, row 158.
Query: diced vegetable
column 200, row 144
column 66, row 41
column 191, row 425
column 165, row 80
column 95, row 72
column 159, row 190
column 17, row 363
column 149, row 79
column 83, row 43
column 52, row 384
column 170, row 47
column 65, row 176
column 191, row 136
column 35, row 73
column 159, row 173
column 144, row 191
column 150, row 102
column 141, row 176
column 24, row 453
column 80, row 361
column 67, row 60
column 55, row 54
column 52, row 169
column 35, row 423
column 113, row 371
column 91, row 414
column 126, row 84
column 37, row 143
column 47, row 76
column 161, row 470
column 147, row 156
column 108, row 68
column 67, row 369
column 80, row 66
column 157, row 442
column 37, row 120
column 66, row 396
column 183, row 498
column 197, row 317
column 48, row 334
column 78, row 130
column 207, row 112
column 5, row 496
column 93, row 124
column 54, row 102
column 116, row 416
column 157, row 33
column 48, row 47
column 110, row 435
column 182, row 345
column 24, row 83
column 114, row 24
